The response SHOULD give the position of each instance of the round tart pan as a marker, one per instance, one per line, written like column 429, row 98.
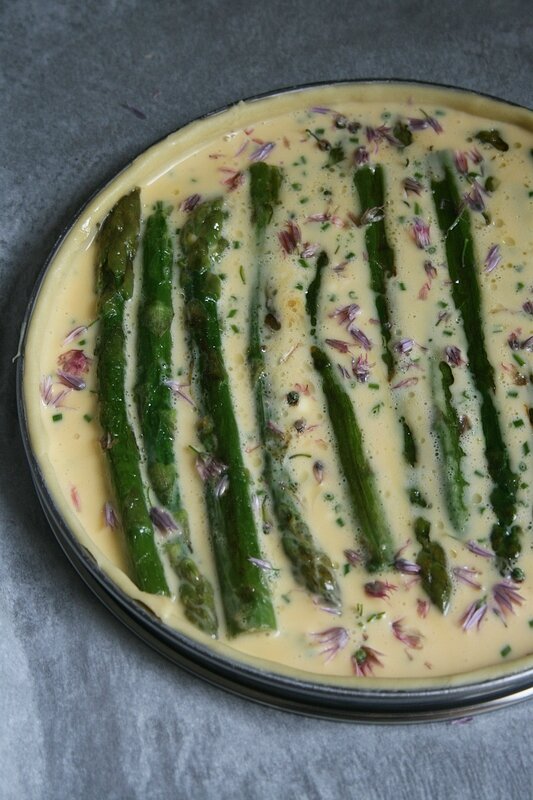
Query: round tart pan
column 371, row 700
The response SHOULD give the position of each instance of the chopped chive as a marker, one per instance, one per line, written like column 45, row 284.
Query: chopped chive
column 232, row 313
column 241, row 273
column 87, row 418
column 505, row 650
column 373, row 386
column 300, row 455
column 520, row 361
column 346, row 568
column 525, row 449
column 57, row 417
column 518, row 423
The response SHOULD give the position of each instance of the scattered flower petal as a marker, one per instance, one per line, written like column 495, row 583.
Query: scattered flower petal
column 261, row 563
column 466, row 575
column 208, row 466
column 506, row 596
column 318, row 471
column 360, row 337
column 422, row 608
column 75, row 497
column 334, row 639
column 110, row 515
column 290, row 237
column 163, row 520
column 412, row 186
column 361, row 368
column 190, row 203
column 474, row 614
column 453, row 356
column 262, row 152
column 177, row 388
column 474, row 199
column 364, row 660
column 353, row 557
column 75, row 333
column 72, row 381
column 410, row 638
column 339, row 345
column 420, row 233
column 405, row 383
column 478, row 550
column 461, row 161
column 493, row 258
column 346, row 314
column 74, row 362
column 361, row 156
column 381, row 589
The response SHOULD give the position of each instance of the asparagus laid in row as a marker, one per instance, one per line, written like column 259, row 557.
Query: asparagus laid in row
column 117, row 244
column 448, row 430
column 157, row 414
column 375, row 536
column 311, row 567
column 245, row 595
column 454, row 222
column 370, row 185
column 432, row 561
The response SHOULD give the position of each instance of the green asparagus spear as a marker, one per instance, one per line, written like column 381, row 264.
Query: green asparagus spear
column 310, row 566
column 154, row 346
column 245, row 594
column 117, row 244
column 454, row 222
column 376, row 538
column 370, row 185
column 448, row 429
column 431, row 559
column 158, row 417
column 195, row 591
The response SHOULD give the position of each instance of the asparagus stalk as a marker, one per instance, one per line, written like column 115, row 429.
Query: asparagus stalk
column 370, row 184
column 245, row 596
column 311, row 567
column 454, row 222
column 375, row 537
column 447, row 427
column 431, row 559
column 158, row 417
column 117, row 244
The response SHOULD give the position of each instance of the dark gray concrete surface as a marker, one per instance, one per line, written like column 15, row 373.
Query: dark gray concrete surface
column 87, row 710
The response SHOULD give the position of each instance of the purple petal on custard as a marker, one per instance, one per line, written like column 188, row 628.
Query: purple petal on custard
column 163, row 520
column 360, row 337
column 474, row 614
column 467, row 575
column 334, row 640
column 262, row 152
column 493, row 258
column 506, row 596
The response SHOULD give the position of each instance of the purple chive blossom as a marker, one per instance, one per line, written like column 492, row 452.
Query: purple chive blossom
column 404, row 346
column 406, row 567
column 290, row 237
column 420, row 233
column 209, row 467
column 417, row 124
column 527, row 344
column 110, row 515
column 430, row 270
column 461, row 161
column 163, row 520
column 190, row 203
column 234, row 179
column 353, row 557
column 364, row 660
column 381, row 589
column 474, row 614
column 261, row 563
column 74, row 362
column 310, row 250
column 321, row 110
column 475, row 156
column 339, row 345
column 346, row 314
column 453, row 355
column 424, row 291
column 528, row 307
column 467, row 575
column 506, row 596
column 380, row 134
column 405, row 383
column 318, row 471
column 262, row 152
column 360, row 337
column 75, row 333
column 334, row 640
column 361, row 156
column 340, row 267
column 47, row 393
column 410, row 638
column 177, row 388
column 72, row 381
column 433, row 123
column 361, row 368
column 493, row 258
column 411, row 185
column 478, row 550
column 474, row 199
column 75, row 497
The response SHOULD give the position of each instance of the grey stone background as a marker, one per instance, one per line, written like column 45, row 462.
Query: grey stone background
column 87, row 710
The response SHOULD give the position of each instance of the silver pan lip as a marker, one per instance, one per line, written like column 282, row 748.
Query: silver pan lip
column 390, row 706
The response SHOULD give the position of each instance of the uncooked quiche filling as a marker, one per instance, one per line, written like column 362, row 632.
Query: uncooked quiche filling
column 278, row 380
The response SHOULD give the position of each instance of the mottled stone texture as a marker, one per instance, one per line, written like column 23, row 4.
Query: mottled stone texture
column 87, row 710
